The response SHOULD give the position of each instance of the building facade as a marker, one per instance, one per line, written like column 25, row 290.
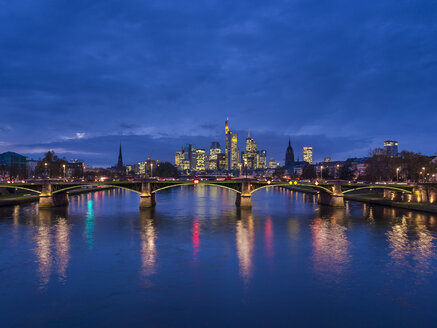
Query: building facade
column 307, row 154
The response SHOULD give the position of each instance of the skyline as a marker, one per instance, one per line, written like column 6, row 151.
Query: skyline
column 339, row 76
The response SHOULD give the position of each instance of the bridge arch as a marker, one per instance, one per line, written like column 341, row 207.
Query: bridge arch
column 270, row 185
column 94, row 185
column 13, row 186
column 379, row 187
column 172, row 186
column 220, row 186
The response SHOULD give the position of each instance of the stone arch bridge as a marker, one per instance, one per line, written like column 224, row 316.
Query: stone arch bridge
column 331, row 194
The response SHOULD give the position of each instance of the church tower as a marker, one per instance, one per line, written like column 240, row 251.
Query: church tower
column 120, row 159
column 289, row 155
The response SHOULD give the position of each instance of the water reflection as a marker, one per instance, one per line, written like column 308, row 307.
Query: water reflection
column 330, row 244
column 268, row 234
column 245, row 240
column 148, row 241
column 42, row 248
column 89, row 225
column 62, row 248
column 48, row 236
column 195, row 231
column 411, row 245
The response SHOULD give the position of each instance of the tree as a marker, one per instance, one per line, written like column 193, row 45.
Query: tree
column 166, row 170
column 346, row 171
column 51, row 166
column 309, row 172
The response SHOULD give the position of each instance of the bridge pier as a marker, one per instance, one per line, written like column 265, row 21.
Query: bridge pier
column 395, row 196
column 244, row 199
column 147, row 198
column 334, row 199
column 47, row 199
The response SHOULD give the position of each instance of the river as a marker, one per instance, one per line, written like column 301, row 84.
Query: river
column 197, row 261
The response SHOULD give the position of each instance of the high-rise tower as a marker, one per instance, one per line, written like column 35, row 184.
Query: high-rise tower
column 228, row 145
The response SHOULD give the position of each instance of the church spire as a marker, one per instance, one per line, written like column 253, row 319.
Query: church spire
column 120, row 158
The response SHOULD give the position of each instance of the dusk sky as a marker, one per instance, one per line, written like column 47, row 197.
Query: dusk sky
column 80, row 77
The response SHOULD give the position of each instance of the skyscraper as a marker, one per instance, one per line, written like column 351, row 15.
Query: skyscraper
column 214, row 151
column 228, row 142
column 231, row 148
column 307, row 154
column 289, row 155
column 262, row 162
column 200, row 159
column 235, row 153
column 251, row 156
column 391, row 148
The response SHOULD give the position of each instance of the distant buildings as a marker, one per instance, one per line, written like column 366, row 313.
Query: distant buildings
column 390, row 149
column 307, row 154
column 13, row 165
column 250, row 159
column 214, row 151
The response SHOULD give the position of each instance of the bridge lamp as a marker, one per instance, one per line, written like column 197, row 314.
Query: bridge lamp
column 295, row 182
column 269, row 182
column 290, row 182
column 196, row 181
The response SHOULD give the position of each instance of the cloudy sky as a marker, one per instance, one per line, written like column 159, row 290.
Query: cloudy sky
column 80, row 77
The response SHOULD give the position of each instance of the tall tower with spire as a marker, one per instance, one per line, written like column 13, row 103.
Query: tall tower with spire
column 228, row 145
column 289, row 155
column 120, row 159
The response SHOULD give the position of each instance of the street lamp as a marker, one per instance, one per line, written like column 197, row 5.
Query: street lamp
column 46, row 169
column 151, row 169
column 397, row 174
column 63, row 165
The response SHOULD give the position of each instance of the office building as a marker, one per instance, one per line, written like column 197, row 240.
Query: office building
column 251, row 156
column 231, row 148
column 262, row 159
column 200, row 160
column 307, row 154
column 391, row 148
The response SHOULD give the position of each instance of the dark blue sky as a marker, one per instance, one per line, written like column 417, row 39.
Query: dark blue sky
column 342, row 76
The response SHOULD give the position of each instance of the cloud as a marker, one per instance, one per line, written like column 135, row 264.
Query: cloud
column 338, row 69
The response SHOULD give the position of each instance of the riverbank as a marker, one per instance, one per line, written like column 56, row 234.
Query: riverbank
column 13, row 200
column 375, row 199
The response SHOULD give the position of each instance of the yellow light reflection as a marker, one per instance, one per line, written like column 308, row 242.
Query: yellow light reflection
column 245, row 240
column 148, row 242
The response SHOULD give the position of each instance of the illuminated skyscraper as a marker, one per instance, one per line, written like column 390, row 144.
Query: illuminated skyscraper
column 200, row 160
column 214, row 151
column 231, row 149
column 391, row 148
column 262, row 159
column 235, row 153
column 251, row 156
column 228, row 136
column 307, row 154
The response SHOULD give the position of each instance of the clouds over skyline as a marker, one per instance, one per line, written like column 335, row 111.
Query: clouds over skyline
column 156, row 72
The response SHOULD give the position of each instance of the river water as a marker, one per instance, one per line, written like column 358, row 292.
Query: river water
column 198, row 261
